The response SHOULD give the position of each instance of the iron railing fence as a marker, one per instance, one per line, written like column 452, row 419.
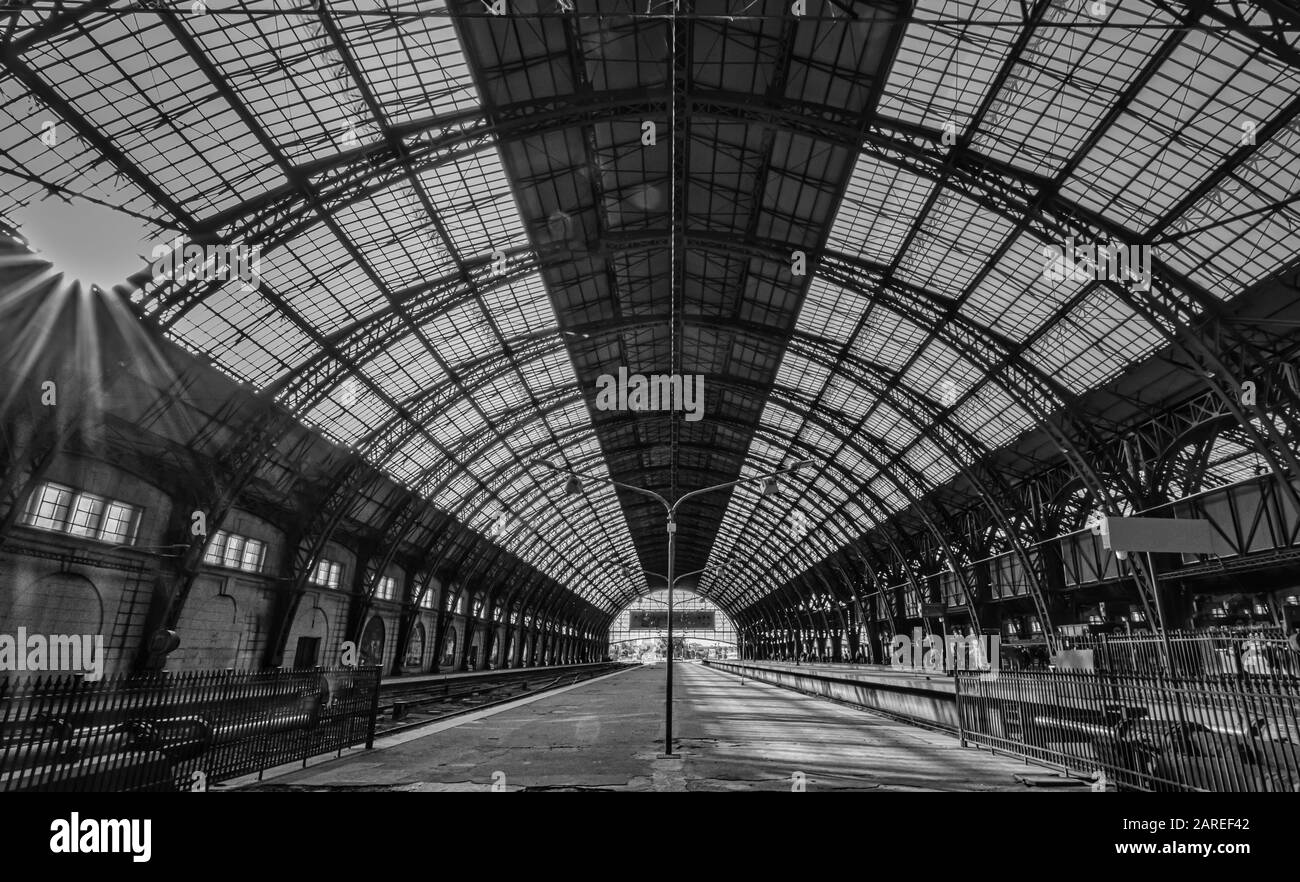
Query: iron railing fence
column 1257, row 652
column 176, row 731
column 1140, row 732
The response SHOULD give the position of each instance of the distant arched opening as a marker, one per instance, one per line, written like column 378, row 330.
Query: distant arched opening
column 700, row 629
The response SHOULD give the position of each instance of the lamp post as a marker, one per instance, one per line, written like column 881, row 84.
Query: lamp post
column 768, row 486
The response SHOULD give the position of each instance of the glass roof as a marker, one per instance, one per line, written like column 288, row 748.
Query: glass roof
column 452, row 215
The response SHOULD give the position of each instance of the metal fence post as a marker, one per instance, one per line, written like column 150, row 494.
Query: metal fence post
column 374, row 711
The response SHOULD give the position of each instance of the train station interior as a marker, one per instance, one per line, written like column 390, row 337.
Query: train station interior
column 650, row 395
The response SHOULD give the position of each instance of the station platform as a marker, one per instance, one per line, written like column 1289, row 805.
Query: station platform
column 606, row 734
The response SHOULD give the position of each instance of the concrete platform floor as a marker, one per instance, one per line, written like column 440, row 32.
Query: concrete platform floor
column 607, row 734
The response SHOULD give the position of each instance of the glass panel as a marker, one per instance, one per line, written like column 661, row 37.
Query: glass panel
column 87, row 512
column 333, row 574
column 254, row 551
column 234, row 551
column 50, row 507
column 120, row 522
column 215, row 546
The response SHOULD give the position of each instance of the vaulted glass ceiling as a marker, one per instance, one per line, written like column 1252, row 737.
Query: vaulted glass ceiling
column 1140, row 122
column 461, row 228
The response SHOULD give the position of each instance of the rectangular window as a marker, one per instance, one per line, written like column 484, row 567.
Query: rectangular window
column 234, row 552
column 387, row 589
column 120, row 523
column 328, row 573
column 49, row 507
column 254, row 553
column 911, row 606
column 427, row 601
column 215, row 546
column 56, row 507
column 87, row 513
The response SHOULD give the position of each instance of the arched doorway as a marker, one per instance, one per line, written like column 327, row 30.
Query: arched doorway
column 415, row 650
column 372, row 643
column 449, row 649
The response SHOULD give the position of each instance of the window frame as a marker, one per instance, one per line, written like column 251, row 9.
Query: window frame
column 256, row 567
column 327, row 574
column 218, row 553
column 132, row 522
column 62, row 518
column 95, row 516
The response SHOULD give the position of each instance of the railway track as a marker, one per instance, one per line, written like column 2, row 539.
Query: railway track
column 403, row 707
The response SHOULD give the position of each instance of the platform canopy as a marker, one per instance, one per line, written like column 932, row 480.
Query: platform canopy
column 466, row 214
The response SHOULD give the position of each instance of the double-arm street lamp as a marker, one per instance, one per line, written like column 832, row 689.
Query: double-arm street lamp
column 768, row 485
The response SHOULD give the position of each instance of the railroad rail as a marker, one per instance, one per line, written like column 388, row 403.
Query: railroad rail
column 410, row 704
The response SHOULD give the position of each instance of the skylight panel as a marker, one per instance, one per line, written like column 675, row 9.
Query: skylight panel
column 935, row 466
column 415, row 454
column 474, row 201
column 880, row 205
column 527, row 438
column 852, row 460
column 782, row 421
column 289, row 75
column 394, row 236
column 501, row 396
column 800, row 374
column 521, row 308
column 938, row 372
column 1065, row 82
column 415, row 65
column 570, row 417
column 487, row 462
column 831, row 492
column 830, row 312
column 888, row 424
column 404, row 370
column 349, row 412
column 1244, row 230
column 1016, row 297
column 459, row 420
column 1182, row 125
column 887, row 338
column 848, row 397
column 1098, row 338
column 460, row 334
column 884, row 490
column 454, row 494
column 244, row 334
column 314, row 274
column 954, row 243
column 941, row 73
column 992, row 416
column 133, row 83
column 813, row 435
